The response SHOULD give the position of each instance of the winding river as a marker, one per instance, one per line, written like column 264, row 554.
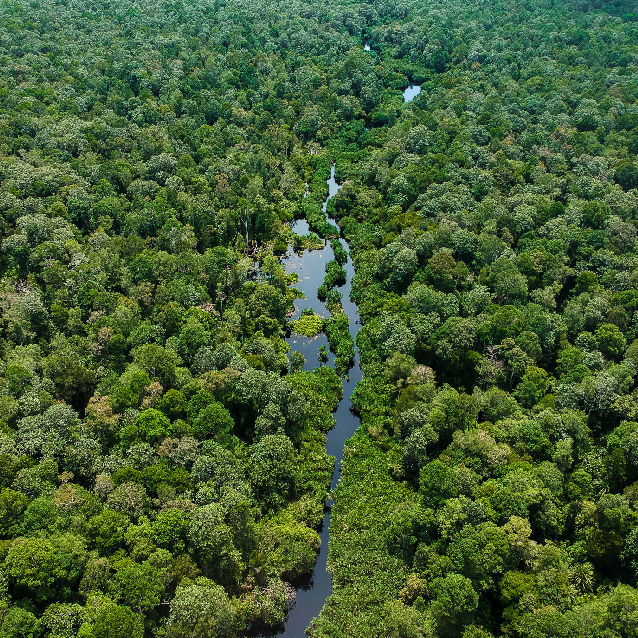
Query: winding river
column 310, row 266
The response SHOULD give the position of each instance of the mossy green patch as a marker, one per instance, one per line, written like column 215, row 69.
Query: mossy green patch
column 309, row 324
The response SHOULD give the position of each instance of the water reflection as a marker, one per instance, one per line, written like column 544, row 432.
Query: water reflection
column 313, row 590
column 411, row 92
column 300, row 226
column 333, row 189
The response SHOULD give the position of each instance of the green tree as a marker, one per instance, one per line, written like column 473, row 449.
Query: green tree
column 273, row 474
column 173, row 404
column 170, row 530
column 74, row 383
column 610, row 341
column 116, row 621
column 627, row 175
column 212, row 539
column 438, row 482
column 63, row 619
column 139, row 586
column 455, row 602
column 12, row 506
column 200, row 609
column 128, row 498
column 159, row 362
column 213, row 421
column 106, row 530
column 20, row 623
column 36, row 564
column 481, row 553
column 150, row 426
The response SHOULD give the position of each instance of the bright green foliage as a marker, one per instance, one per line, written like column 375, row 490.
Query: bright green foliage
column 273, row 476
column 335, row 275
column 170, row 530
column 152, row 426
column 214, row 421
column 12, row 506
column 139, row 586
column 341, row 342
column 20, row 623
column 200, row 609
column 455, row 601
column 35, row 563
column 63, row 619
column 293, row 547
column 309, row 324
column 438, row 482
column 106, row 530
column 114, row 621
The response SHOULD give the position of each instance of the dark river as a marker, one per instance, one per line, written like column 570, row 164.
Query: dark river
column 312, row 593
column 310, row 266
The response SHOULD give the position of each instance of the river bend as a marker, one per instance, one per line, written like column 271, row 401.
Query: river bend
column 310, row 266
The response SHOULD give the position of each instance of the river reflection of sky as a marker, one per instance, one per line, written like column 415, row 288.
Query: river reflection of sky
column 313, row 590
column 411, row 92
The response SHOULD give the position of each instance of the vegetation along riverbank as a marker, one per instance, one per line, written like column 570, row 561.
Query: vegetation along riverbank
column 236, row 235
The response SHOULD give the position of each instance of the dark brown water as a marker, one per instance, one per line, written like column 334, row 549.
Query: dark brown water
column 313, row 591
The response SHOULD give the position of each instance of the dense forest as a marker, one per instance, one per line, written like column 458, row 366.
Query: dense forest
column 162, row 450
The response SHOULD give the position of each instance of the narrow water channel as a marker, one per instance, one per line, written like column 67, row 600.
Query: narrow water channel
column 310, row 265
